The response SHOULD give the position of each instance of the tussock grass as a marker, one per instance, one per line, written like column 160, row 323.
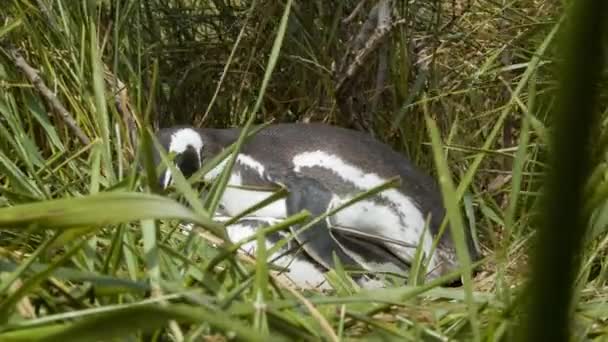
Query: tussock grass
column 90, row 250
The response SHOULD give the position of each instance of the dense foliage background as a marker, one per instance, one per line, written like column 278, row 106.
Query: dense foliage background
column 81, row 254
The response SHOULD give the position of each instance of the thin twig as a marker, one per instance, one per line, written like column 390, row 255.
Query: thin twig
column 371, row 36
column 384, row 20
column 354, row 13
column 370, row 46
column 34, row 77
column 123, row 105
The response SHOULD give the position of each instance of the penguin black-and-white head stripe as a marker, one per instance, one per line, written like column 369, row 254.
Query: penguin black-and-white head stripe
column 187, row 144
column 323, row 167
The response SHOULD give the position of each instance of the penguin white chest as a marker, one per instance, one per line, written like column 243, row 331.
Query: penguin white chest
column 238, row 197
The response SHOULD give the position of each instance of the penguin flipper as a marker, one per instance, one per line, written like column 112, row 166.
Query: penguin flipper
column 369, row 252
column 290, row 259
column 309, row 194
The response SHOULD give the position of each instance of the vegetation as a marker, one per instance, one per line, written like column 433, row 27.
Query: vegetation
column 90, row 251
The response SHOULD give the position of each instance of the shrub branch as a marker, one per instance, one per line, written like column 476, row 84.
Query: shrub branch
column 33, row 76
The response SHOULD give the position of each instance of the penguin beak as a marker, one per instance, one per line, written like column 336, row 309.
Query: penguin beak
column 165, row 179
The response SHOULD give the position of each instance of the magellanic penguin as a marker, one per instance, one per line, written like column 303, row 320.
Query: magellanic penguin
column 323, row 166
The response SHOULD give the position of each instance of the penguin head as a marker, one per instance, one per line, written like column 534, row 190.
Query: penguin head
column 187, row 144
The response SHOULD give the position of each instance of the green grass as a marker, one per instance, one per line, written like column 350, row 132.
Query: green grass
column 90, row 248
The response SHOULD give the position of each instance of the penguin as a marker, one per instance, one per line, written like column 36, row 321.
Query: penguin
column 323, row 167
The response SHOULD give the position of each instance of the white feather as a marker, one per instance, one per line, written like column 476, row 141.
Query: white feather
column 368, row 215
column 236, row 199
column 182, row 138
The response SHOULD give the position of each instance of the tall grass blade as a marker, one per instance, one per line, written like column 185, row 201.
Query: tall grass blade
column 457, row 227
column 98, row 210
column 556, row 258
